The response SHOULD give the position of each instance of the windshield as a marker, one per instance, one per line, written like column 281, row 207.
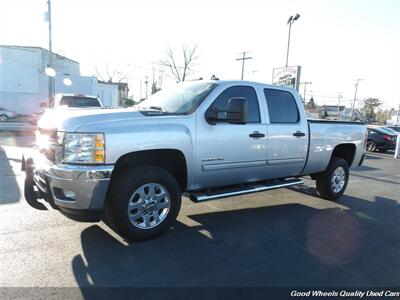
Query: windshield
column 182, row 98
column 73, row 101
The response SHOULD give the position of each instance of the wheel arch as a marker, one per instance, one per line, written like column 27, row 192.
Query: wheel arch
column 171, row 160
column 345, row 151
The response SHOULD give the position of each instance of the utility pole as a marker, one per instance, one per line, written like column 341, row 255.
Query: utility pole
column 140, row 91
column 146, row 82
column 355, row 96
column 338, row 106
column 305, row 87
column 290, row 22
column 243, row 58
column 50, row 64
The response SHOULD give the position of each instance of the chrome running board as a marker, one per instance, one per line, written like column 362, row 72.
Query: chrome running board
column 236, row 191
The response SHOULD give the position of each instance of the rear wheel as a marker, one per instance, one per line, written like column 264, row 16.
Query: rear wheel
column 144, row 203
column 371, row 146
column 332, row 183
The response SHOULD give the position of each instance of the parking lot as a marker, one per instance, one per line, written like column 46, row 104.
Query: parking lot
column 287, row 237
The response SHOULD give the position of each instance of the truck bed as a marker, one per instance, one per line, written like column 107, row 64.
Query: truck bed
column 325, row 135
column 334, row 121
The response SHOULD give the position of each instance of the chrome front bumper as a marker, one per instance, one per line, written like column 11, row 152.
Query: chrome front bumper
column 76, row 187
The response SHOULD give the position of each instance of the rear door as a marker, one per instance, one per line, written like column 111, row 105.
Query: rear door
column 287, row 134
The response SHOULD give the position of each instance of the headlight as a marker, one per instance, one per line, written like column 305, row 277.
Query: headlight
column 81, row 148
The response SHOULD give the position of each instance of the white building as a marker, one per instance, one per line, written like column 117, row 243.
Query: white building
column 395, row 120
column 24, row 84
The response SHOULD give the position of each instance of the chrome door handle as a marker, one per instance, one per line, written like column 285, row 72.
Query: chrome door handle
column 298, row 134
column 256, row 134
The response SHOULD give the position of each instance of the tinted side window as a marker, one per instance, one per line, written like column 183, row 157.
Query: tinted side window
column 253, row 113
column 282, row 106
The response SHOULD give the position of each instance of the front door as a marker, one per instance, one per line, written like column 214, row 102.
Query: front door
column 231, row 153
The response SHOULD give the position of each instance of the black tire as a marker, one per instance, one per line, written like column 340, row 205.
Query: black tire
column 382, row 150
column 371, row 146
column 324, row 180
column 124, row 186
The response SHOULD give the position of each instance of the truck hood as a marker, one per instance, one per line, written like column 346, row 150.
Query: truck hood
column 72, row 119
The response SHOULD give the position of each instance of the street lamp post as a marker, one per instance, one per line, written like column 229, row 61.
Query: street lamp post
column 290, row 22
column 50, row 65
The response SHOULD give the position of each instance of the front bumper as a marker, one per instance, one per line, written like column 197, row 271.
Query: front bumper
column 72, row 187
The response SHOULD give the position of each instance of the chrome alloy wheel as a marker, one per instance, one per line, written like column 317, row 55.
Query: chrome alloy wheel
column 371, row 146
column 3, row 118
column 338, row 179
column 149, row 206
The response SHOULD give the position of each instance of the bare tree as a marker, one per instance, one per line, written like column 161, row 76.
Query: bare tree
column 180, row 72
column 114, row 76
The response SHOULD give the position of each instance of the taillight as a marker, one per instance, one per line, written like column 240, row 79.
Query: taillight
column 387, row 137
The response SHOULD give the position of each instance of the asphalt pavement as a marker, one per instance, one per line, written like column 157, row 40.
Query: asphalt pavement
column 281, row 238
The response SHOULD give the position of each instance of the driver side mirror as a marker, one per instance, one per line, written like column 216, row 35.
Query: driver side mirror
column 236, row 112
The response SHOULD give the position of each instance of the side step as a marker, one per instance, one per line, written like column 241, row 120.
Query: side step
column 241, row 190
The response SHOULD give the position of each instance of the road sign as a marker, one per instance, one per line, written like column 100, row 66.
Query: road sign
column 287, row 76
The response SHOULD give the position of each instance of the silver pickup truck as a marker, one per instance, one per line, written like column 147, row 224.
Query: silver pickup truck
column 203, row 139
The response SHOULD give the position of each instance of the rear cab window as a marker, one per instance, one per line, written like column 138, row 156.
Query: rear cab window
column 282, row 106
column 74, row 101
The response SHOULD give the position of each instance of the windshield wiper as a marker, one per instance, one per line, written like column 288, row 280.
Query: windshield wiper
column 157, row 108
column 160, row 108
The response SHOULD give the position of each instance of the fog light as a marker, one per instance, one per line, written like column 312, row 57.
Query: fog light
column 70, row 195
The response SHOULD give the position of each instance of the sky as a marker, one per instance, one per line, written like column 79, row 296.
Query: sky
column 335, row 42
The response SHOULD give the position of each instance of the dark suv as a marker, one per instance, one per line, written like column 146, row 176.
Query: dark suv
column 380, row 140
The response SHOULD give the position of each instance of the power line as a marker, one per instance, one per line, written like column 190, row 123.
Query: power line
column 243, row 58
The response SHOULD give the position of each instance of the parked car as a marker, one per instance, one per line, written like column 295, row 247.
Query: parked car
column 75, row 101
column 389, row 130
column 395, row 128
column 204, row 139
column 67, row 101
column 380, row 140
column 6, row 114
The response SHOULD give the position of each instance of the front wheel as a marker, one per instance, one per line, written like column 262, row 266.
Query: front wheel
column 332, row 183
column 143, row 203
